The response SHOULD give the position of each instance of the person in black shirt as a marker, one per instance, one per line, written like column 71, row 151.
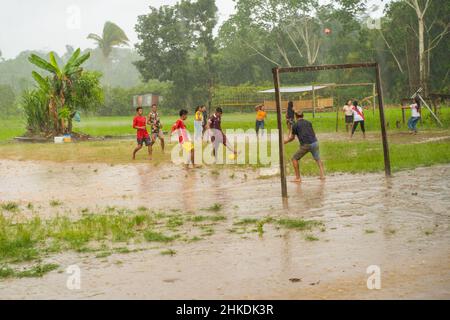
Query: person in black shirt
column 290, row 115
column 308, row 143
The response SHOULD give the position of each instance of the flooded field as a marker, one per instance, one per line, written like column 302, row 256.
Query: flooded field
column 400, row 224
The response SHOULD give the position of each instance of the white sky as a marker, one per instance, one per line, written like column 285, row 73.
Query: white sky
column 51, row 24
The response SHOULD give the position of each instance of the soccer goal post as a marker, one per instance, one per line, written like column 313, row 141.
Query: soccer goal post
column 276, row 81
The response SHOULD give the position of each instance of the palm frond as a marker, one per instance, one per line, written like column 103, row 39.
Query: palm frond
column 54, row 63
column 113, row 34
column 79, row 61
column 73, row 57
column 42, row 82
column 41, row 63
column 95, row 37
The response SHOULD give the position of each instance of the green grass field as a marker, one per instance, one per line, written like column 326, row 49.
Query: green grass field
column 430, row 146
column 323, row 122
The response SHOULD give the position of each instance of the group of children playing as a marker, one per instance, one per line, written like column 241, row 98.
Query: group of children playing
column 201, row 124
column 296, row 124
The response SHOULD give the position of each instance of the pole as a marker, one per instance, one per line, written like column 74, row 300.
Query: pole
column 314, row 101
column 403, row 116
column 337, row 114
column 276, row 83
column 387, row 161
column 431, row 111
column 374, row 99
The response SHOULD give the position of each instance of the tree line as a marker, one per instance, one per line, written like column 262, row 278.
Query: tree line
column 185, row 55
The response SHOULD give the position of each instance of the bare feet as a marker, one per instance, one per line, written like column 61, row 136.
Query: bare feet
column 297, row 180
column 322, row 178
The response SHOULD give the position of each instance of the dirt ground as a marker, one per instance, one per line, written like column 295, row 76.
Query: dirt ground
column 408, row 216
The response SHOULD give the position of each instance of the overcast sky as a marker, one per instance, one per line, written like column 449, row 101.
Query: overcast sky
column 51, row 24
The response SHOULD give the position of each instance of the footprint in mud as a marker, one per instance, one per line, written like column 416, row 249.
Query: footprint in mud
column 295, row 280
column 170, row 280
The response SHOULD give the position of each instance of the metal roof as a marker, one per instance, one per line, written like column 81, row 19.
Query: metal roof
column 294, row 89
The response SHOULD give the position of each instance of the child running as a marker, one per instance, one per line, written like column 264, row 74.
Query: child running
column 415, row 116
column 183, row 136
column 358, row 119
column 308, row 143
column 156, row 127
column 142, row 135
column 261, row 115
column 217, row 136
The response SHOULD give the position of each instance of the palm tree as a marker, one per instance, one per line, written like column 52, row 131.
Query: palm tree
column 58, row 86
column 112, row 36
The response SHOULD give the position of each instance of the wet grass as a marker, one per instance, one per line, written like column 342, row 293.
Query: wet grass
column 357, row 156
column 339, row 156
column 310, row 237
column 10, row 206
column 112, row 230
column 55, row 203
column 215, row 207
column 168, row 252
column 33, row 272
column 153, row 236
column 299, row 224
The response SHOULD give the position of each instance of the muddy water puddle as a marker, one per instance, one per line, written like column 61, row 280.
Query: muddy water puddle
column 400, row 224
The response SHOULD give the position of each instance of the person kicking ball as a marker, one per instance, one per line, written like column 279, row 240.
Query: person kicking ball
column 308, row 143
column 139, row 123
column 183, row 137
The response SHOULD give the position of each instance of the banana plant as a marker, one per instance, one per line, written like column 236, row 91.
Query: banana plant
column 58, row 85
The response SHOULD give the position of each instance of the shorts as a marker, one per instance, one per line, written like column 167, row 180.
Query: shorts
column 349, row 119
column 259, row 125
column 289, row 122
column 188, row 146
column 146, row 139
column 304, row 149
column 157, row 134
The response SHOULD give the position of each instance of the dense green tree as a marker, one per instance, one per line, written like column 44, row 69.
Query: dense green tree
column 177, row 45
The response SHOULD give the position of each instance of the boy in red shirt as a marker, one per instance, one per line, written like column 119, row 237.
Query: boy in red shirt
column 139, row 123
column 183, row 137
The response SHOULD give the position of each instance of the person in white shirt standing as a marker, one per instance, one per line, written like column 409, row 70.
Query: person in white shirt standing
column 358, row 119
column 415, row 116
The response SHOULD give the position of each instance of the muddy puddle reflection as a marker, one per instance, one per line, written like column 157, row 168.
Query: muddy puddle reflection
column 400, row 224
